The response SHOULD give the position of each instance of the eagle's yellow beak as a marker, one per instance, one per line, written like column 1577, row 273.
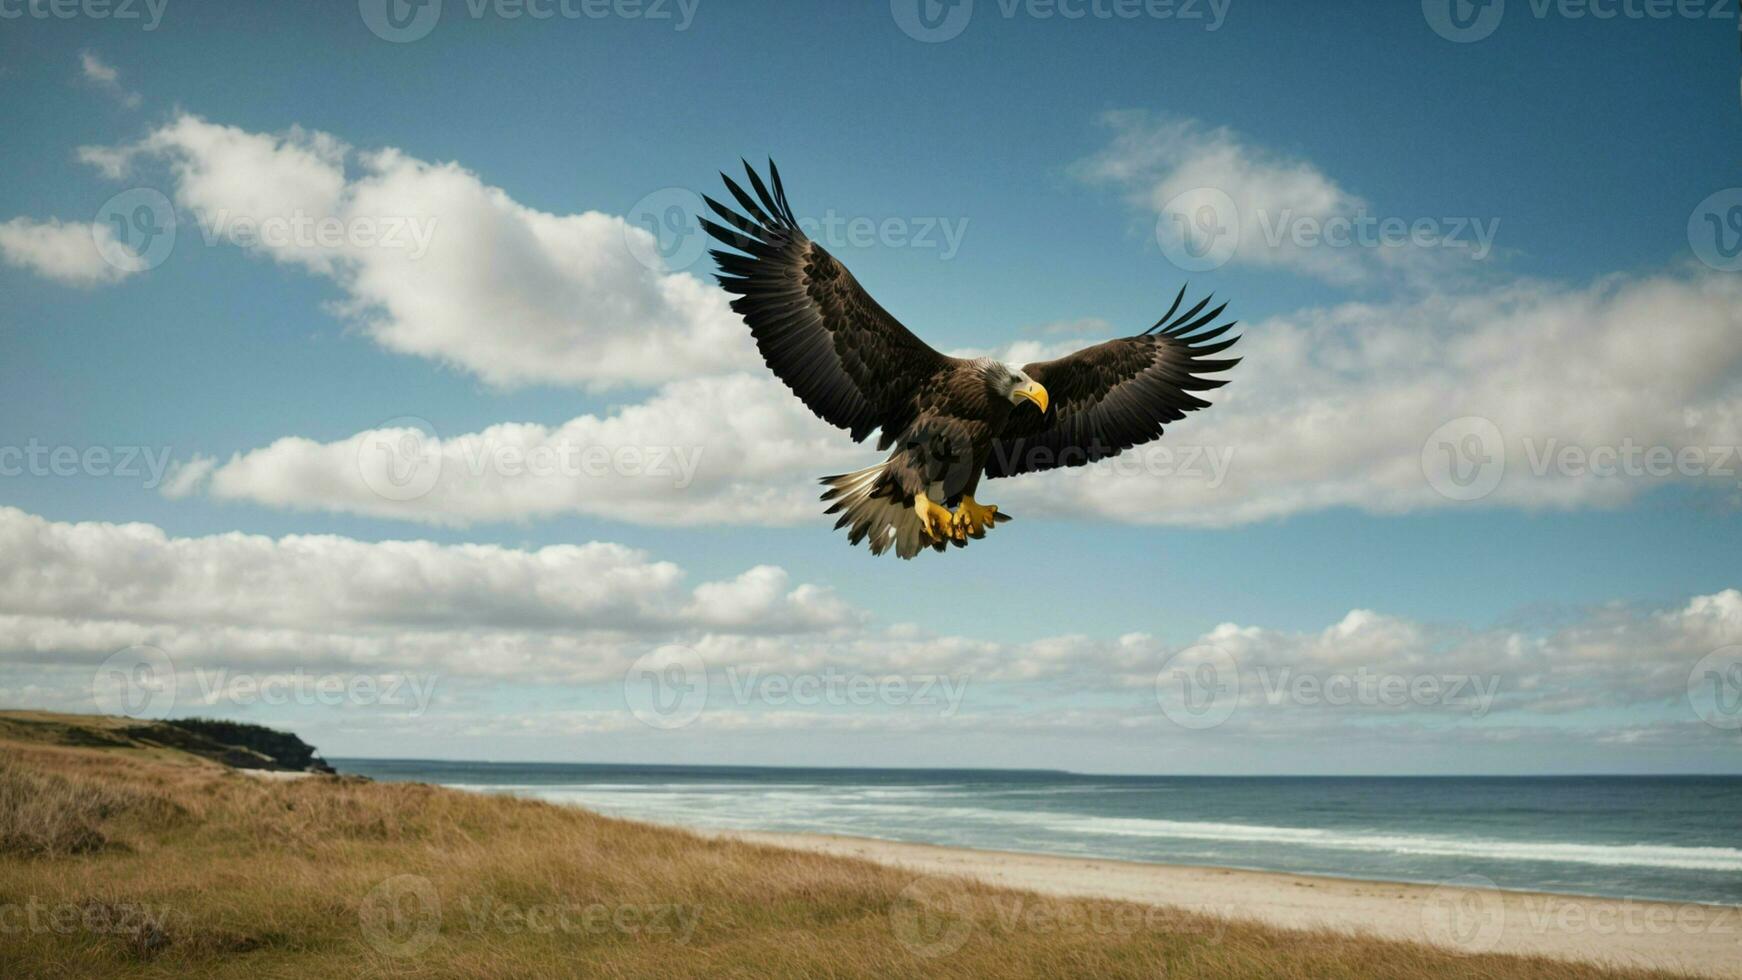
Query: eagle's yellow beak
column 1032, row 391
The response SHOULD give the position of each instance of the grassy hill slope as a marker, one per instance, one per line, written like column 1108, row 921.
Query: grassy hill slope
column 124, row 856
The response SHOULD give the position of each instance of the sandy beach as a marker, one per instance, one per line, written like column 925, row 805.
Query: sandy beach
column 1702, row 940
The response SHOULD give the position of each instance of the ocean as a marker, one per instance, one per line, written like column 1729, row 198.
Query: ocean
column 1672, row 838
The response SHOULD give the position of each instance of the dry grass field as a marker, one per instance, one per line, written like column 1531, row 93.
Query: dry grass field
column 122, row 859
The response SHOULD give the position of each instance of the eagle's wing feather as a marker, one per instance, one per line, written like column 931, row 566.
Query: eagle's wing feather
column 846, row 358
column 1112, row 396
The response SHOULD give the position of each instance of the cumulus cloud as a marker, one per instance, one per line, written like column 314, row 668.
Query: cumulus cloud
column 84, row 590
column 1587, row 396
column 69, row 253
column 436, row 263
column 732, row 449
column 581, row 615
column 106, row 77
column 187, row 476
column 1233, row 200
column 1603, row 658
column 1595, row 394
column 1356, row 405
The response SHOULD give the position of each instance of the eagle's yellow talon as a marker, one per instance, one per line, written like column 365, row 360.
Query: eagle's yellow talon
column 933, row 517
column 972, row 517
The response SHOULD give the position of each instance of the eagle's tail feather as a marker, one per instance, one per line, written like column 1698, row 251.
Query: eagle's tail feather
column 873, row 510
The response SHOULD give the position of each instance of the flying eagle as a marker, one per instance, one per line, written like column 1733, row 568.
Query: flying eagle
column 950, row 420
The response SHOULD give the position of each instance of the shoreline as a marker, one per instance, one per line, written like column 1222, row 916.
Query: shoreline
column 1463, row 916
column 119, row 831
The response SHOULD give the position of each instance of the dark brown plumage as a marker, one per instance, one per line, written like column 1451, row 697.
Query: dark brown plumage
column 949, row 420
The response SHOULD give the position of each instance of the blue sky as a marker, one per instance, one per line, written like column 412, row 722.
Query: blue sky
column 1055, row 146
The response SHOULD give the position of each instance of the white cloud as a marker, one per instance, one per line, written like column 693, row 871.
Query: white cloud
column 734, row 449
column 1330, row 408
column 106, row 77
column 85, row 590
column 579, row 615
column 436, row 263
column 187, row 476
column 1602, row 658
column 1286, row 212
column 95, row 69
column 68, row 253
column 1333, row 407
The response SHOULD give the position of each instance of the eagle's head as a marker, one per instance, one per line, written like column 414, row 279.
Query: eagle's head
column 1010, row 382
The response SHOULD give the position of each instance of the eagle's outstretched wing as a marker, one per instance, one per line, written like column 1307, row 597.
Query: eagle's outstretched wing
column 849, row 361
column 1112, row 396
